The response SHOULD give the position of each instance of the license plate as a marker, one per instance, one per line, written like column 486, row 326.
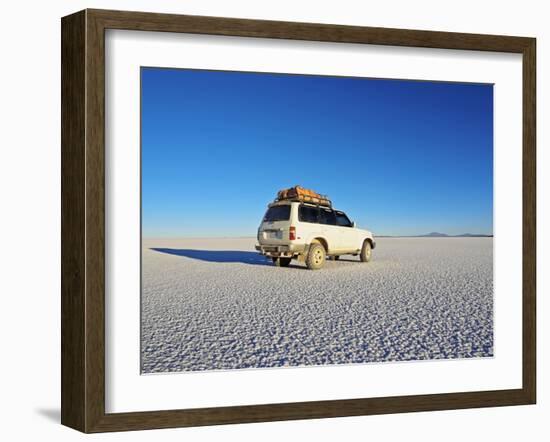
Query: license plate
column 273, row 234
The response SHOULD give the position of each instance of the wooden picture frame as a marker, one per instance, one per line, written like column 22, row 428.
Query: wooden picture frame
column 83, row 220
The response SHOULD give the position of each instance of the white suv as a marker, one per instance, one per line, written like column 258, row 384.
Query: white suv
column 309, row 232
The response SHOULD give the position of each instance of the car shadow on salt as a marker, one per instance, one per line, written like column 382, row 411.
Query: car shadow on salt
column 221, row 256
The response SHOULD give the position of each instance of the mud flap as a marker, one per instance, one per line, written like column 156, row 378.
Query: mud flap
column 302, row 256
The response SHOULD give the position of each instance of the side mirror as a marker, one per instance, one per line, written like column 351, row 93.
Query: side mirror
column 353, row 224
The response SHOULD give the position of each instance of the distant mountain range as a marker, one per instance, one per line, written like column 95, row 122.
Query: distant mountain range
column 444, row 235
column 438, row 235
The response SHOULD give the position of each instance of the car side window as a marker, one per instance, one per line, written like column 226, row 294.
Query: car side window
column 308, row 214
column 326, row 216
column 342, row 219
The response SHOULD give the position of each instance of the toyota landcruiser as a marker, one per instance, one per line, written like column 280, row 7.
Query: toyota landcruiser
column 310, row 233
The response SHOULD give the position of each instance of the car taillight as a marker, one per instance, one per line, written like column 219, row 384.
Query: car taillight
column 292, row 233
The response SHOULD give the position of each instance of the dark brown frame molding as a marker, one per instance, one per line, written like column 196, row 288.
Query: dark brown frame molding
column 83, row 217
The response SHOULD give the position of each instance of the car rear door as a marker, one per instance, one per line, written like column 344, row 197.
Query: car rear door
column 274, row 229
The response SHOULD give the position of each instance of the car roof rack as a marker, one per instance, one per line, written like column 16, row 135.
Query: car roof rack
column 321, row 202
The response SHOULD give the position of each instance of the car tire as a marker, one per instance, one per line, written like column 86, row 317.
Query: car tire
column 316, row 256
column 281, row 262
column 366, row 251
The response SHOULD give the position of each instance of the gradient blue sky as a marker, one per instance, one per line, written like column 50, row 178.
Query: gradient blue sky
column 400, row 157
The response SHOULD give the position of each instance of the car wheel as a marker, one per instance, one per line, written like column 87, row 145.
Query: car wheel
column 366, row 252
column 315, row 257
column 281, row 262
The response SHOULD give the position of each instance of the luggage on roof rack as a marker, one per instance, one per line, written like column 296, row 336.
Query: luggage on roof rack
column 298, row 193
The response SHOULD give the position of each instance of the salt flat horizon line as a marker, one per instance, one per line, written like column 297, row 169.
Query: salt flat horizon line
column 438, row 235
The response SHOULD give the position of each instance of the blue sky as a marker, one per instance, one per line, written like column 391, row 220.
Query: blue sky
column 400, row 157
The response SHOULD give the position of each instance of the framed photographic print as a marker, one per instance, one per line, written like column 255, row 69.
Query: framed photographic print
column 268, row 220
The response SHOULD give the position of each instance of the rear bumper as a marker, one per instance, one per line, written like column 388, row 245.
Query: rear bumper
column 280, row 250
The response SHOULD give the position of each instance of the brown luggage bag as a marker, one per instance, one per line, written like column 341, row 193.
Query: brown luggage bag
column 301, row 194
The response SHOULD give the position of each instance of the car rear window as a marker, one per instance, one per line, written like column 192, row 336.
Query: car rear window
column 278, row 213
column 308, row 214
